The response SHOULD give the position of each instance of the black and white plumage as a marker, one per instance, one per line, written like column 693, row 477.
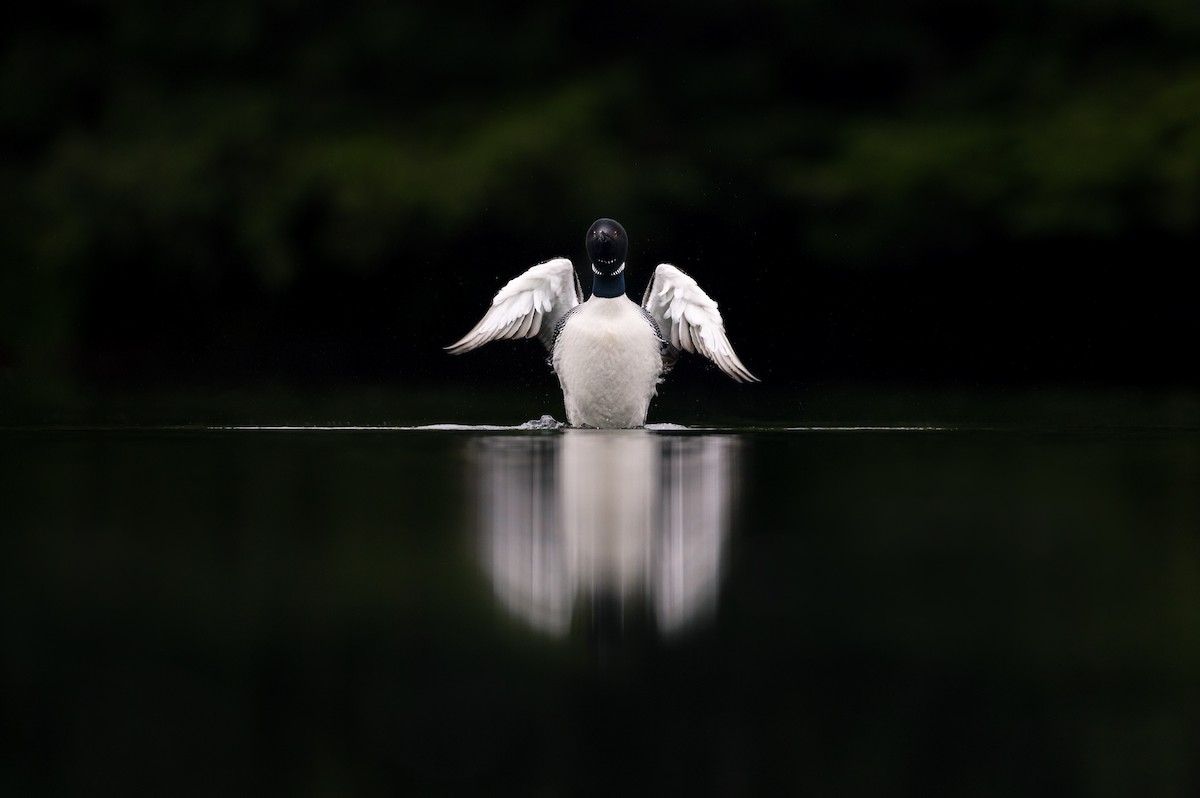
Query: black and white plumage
column 609, row 352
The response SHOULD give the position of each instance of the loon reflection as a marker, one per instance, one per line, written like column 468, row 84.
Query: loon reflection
column 600, row 515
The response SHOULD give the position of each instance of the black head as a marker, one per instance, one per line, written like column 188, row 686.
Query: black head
column 607, row 246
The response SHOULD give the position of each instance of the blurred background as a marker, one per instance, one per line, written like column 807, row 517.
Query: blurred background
column 275, row 212
column 319, row 196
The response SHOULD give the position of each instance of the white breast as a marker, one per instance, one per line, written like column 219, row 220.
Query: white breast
column 608, row 360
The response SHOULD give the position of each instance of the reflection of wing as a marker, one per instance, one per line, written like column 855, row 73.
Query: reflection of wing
column 693, row 526
column 520, row 521
column 689, row 320
column 531, row 304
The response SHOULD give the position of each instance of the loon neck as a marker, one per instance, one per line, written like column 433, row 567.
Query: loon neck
column 608, row 285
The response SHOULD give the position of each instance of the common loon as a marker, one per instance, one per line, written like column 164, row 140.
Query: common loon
column 608, row 352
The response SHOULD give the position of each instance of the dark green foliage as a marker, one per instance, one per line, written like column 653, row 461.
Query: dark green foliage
column 223, row 154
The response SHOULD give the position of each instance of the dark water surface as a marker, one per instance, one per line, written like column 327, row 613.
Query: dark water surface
column 830, row 611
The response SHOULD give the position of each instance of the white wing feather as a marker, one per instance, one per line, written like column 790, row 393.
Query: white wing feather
column 689, row 320
column 531, row 304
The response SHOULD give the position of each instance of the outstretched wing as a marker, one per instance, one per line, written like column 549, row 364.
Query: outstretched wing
column 689, row 320
column 531, row 304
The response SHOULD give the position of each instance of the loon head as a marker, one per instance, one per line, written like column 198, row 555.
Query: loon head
column 607, row 246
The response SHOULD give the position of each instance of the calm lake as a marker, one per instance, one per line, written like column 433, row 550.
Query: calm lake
column 837, row 609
